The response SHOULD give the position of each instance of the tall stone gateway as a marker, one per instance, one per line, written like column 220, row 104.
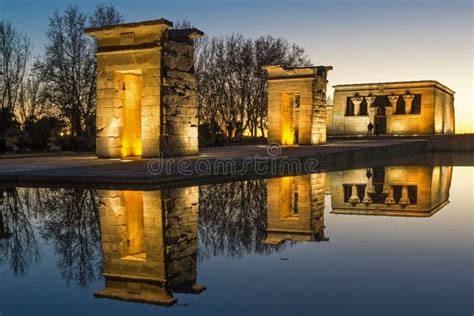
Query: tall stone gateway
column 146, row 101
column 297, row 105
column 149, row 244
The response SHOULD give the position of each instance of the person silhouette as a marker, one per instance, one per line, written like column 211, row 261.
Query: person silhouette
column 377, row 129
column 370, row 127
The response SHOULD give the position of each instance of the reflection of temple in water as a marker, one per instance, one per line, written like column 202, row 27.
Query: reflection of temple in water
column 393, row 191
column 295, row 209
column 149, row 244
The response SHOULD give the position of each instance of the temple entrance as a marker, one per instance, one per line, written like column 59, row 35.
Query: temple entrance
column 287, row 119
column 130, row 90
column 135, row 248
column 380, row 120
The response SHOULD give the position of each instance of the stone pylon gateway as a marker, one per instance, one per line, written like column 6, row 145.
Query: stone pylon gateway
column 297, row 105
column 146, row 101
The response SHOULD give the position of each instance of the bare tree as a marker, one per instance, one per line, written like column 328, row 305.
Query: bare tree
column 182, row 24
column 15, row 51
column 231, row 85
column 105, row 15
column 31, row 104
column 232, row 219
column 71, row 223
column 18, row 240
column 69, row 67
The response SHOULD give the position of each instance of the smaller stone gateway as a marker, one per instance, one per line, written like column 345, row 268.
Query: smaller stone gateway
column 146, row 103
column 295, row 209
column 297, row 105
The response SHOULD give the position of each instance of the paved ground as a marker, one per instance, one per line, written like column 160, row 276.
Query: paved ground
column 86, row 168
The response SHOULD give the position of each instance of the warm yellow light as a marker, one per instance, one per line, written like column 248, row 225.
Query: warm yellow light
column 131, row 100
column 136, row 247
column 286, row 196
column 286, row 120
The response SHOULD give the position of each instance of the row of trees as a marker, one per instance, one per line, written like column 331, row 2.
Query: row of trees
column 231, row 84
column 60, row 83
column 58, row 88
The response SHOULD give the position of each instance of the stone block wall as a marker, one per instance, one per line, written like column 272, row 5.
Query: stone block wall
column 318, row 190
column 182, row 210
column 180, row 114
column 318, row 122
column 118, row 232
column 444, row 112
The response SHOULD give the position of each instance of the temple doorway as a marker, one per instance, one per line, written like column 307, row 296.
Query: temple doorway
column 129, row 93
column 287, row 119
column 380, row 120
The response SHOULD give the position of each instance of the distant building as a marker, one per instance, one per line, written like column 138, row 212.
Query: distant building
column 402, row 108
column 297, row 105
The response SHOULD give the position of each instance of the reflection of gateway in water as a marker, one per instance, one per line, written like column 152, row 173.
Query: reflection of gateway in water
column 393, row 191
column 149, row 244
column 295, row 209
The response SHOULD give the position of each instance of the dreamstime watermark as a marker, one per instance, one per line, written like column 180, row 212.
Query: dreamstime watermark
column 271, row 164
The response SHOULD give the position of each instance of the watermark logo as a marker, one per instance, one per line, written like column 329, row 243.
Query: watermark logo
column 274, row 150
column 271, row 164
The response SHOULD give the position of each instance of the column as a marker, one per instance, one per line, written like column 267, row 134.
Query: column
column 408, row 98
column 404, row 200
column 367, row 199
column 357, row 101
column 393, row 101
column 390, row 200
column 388, row 114
column 370, row 109
column 354, row 199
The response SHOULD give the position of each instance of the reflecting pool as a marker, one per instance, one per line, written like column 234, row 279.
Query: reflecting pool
column 384, row 240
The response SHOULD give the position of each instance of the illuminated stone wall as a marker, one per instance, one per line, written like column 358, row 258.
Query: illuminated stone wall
column 392, row 191
column 182, row 245
column 180, row 114
column 295, row 208
column 399, row 102
column 297, row 105
column 149, row 244
column 146, row 100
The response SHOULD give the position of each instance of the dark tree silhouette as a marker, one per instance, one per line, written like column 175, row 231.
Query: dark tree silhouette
column 18, row 241
column 71, row 225
column 232, row 219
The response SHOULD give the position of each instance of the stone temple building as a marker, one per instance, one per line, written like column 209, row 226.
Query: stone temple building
column 295, row 209
column 392, row 191
column 149, row 244
column 297, row 105
column 146, row 101
column 401, row 108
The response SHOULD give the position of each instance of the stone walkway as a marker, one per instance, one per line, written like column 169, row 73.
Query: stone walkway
column 83, row 169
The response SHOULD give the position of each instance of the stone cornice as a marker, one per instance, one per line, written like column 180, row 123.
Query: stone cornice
column 92, row 30
column 393, row 85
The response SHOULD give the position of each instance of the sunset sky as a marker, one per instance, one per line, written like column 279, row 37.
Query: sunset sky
column 365, row 41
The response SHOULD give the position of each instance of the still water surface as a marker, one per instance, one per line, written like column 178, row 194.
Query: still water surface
column 395, row 240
